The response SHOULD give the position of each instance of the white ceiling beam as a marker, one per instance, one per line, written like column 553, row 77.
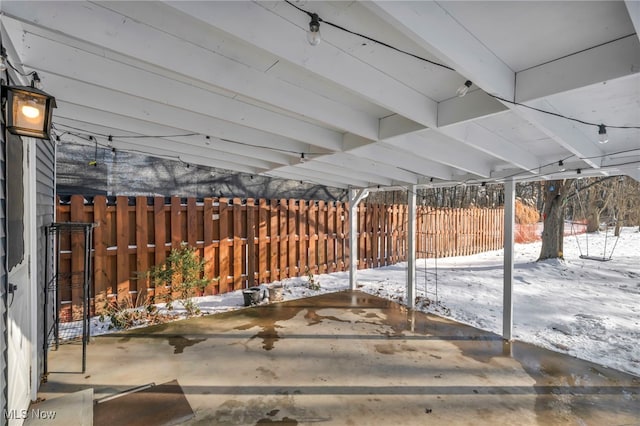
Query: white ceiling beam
column 444, row 150
column 617, row 59
column 79, row 93
column 308, row 175
column 365, row 165
column 491, row 143
column 119, row 124
column 161, row 143
column 344, row 173
column 396, row 125
column 430, row 25
column 250, row 21
column 398, row 157
column 392, row 156
column 73, row 62
column 562, row 131
column 633, row 6
column 475, row 104
column 144, row 38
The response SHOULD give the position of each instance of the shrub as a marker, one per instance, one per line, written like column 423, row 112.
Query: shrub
column 125, row 313
column 311, row 280
column 182, row 272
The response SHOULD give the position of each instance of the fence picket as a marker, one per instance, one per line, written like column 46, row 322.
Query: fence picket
column 223, row 260
column 142, row 250
column 122, row 240
column 100, row 235
column 292, row 260
column 274, row 273
column 262, row 240
column 238, row 249
column 251, row 243
column 302, row 236
column 209, row 249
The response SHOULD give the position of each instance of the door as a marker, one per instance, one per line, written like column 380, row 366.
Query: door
column 19, row 307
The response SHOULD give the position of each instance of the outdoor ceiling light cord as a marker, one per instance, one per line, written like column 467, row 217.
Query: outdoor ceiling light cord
column 464, row 88
column 331, row 24
column 602, row 128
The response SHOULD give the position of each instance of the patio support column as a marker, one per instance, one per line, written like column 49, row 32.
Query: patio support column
column 509, row 219
column 411, row 248
column 355, row 196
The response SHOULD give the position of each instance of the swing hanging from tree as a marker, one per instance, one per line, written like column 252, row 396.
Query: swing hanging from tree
column 585, row 255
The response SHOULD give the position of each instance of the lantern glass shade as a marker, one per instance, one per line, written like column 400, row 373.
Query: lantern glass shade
column 29, row 112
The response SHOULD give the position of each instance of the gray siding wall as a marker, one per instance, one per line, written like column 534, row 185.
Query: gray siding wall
column 3, row 283
column 45, row 202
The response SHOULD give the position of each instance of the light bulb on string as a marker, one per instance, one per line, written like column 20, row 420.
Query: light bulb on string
column 462, row 90
column 313, row 35
column 602, row 134
column 36, row 81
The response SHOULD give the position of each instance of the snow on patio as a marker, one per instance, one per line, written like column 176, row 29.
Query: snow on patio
column 584, row 308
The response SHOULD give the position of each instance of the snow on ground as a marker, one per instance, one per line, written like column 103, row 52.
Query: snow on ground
column 585, row 308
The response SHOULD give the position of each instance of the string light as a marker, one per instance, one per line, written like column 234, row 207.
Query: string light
column 462, row 90
column 602, row 134
column 36, row 82
column 313, row 35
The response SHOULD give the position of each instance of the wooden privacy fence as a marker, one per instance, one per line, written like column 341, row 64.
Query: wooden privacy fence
column 458, row 232
column 258, row 241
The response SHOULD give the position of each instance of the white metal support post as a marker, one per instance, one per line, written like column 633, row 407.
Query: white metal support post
column 411, row 248
column 355, row 196
column 509, row 220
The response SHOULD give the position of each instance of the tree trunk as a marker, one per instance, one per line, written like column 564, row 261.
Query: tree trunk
column 593, row 220
column 553, row 231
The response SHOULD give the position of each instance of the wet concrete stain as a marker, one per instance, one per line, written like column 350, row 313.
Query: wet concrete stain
column 272, row 410
column 266, row 317
column 391, row 348
column 179, row 343
column 286, row 421
column 314, row 318
column 266, row 373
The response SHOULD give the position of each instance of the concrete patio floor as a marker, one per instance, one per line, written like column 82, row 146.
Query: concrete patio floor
column 349, row 358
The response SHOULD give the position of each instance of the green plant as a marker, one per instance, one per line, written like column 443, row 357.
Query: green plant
column 182, row 272
column 311, row 280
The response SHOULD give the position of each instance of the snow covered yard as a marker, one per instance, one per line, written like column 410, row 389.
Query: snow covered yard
column 585, row 308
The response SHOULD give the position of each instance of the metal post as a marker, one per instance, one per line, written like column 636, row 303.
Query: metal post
column 85, row 297
column 411, row 248
column 509, row 219
column 45, row 345
column 57, row 291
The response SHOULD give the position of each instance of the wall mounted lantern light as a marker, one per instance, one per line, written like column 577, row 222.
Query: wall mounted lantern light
column 29, row 111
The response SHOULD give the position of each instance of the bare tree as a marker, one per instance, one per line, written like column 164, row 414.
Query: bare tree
column 553, row 231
